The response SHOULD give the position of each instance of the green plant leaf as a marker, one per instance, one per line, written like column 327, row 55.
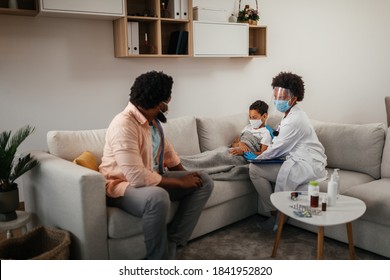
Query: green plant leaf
column 8, row 148
column 24, row 164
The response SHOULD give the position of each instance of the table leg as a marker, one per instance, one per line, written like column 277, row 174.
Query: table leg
column 320, row 243
column 278, row 235
column 350, row 241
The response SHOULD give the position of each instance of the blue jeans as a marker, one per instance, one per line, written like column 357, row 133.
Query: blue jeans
column 152, row 204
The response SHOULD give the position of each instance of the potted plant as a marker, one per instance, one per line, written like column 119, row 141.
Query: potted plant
column 249, row 15
column 11, row 169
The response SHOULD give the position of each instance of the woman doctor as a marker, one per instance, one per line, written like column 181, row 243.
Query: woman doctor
column 297, row 141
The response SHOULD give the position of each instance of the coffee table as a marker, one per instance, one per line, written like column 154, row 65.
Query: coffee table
column 346, row 210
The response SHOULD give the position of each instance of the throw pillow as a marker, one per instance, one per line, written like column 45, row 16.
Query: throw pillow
column 88, row 160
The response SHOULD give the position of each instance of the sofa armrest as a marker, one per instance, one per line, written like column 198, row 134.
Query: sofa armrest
column 62, row 194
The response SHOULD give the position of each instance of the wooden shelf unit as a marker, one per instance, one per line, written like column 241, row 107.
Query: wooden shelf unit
column 158, row 29
column 258, row 39
column 153, row 20
column 26, row 8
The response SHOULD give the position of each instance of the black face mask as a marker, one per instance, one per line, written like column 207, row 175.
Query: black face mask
column 161, row 117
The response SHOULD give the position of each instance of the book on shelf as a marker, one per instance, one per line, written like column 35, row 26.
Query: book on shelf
column 178, row 43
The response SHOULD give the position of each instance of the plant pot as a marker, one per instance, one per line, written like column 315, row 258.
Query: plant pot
column 9, row 203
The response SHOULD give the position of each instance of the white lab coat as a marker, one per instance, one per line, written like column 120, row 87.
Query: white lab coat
column 305, row 155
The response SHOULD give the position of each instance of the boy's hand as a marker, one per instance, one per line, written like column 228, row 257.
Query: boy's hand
column 236, row 151
column 243, row 147
column 249, row 155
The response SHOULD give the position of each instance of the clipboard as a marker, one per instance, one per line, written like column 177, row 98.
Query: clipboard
column 267, row 161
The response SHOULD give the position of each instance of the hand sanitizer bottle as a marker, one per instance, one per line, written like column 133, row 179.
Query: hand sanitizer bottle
column 336, row 178
column 332, row 191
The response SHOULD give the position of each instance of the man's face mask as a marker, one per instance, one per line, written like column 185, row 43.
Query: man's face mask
column 162, row 115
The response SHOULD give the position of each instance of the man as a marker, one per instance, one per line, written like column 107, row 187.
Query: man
column 297, row 141
column 144, row 173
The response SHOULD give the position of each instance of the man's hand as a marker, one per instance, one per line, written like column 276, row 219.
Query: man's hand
column 192, row 180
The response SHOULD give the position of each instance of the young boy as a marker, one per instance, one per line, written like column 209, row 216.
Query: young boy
column 258, row 114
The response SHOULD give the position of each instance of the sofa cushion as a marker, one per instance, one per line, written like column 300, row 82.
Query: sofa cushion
column 385, row 173
column 376, row 196
column 182, row 134
column 70, row 144
column 124, row 225
column 352, row 146
column 348, row 179
column 228, row 190
column 219, row 131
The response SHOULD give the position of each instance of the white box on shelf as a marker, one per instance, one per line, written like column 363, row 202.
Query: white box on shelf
column 210, row 14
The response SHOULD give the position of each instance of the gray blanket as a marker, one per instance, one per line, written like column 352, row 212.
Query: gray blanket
column 220, row 164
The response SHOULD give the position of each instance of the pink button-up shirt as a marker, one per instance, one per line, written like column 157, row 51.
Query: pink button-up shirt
column 127, row 157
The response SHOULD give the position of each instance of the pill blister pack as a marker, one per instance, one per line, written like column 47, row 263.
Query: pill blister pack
column 305, row 211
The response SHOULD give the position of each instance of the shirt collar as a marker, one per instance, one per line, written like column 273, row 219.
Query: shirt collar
column 133, row 110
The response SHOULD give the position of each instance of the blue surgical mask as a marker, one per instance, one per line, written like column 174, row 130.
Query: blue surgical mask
column 282, row 105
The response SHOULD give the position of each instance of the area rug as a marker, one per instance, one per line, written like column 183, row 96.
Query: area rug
column 244, row 241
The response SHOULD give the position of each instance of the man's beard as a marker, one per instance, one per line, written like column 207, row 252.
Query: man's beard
column 161, row 117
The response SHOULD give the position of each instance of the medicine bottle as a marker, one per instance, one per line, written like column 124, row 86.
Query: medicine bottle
column 313, row 193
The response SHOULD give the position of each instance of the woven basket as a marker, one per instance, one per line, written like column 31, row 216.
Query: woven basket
column 239, row 5
column 41, row 243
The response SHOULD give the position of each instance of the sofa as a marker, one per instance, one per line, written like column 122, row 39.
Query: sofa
column 66, row 195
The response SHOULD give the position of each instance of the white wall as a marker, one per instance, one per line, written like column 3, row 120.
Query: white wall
column 60, row 73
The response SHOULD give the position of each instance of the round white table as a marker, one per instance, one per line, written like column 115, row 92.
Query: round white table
column 346, row 210
column 20, row 222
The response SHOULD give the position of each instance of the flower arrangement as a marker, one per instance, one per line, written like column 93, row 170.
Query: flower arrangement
column 248, row 14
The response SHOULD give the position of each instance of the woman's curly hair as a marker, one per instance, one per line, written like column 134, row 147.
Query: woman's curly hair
column 290, row 81
column 150, row 89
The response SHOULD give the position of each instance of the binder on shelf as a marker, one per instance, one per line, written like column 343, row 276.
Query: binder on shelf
column 178, row 43
column 184, row 9
column 133, row 37
column 129, row 40
column 174, row 8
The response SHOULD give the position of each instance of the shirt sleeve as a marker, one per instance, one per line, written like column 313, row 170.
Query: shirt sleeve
column 266, row 139
column 171, row 158
column 283, row 143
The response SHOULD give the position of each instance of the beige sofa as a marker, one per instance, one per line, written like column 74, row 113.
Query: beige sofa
column 62, row 194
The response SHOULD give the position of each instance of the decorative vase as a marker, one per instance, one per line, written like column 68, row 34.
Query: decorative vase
column 9, row 203
column 232, row 18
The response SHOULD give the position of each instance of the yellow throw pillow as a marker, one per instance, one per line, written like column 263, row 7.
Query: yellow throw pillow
column 88, row 160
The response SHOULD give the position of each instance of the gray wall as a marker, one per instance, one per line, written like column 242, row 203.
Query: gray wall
column 58, row 73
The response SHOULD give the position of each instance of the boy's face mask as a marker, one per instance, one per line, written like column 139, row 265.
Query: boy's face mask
column 255, row 123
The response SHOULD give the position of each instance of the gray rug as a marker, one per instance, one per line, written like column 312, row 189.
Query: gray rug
column 244, row 241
